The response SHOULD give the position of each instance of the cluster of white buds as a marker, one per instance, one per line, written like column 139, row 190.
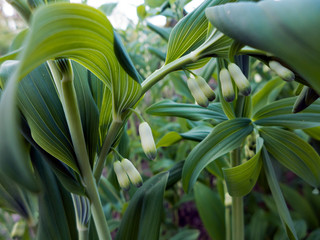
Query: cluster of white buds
column 235, row 73
column 125, row 170
column 147, row 141
column 200, row 90
column 282, row 71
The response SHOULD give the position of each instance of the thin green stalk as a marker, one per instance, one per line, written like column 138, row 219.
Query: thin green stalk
column 227, row 222
column 237, row 204
column 165, row 69
column 111, row 135
column 83, row 233
column 70, row 106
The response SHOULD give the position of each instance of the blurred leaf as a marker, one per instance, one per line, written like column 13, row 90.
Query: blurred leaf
column 154, row 3
column 141, row 11
column 216, row 167
column 314, row 235
column 56, row 214
column 300, row 205
column 197, row 133
column 108, row 8
column 169, row 139
column 300, row 226
column 160, row 54
column 268, row 93
column 174, row 174
column 108, row 193
column 279, row 113
column 241, row 179
column 213, row 220
column 190, row 111
column 163, row 32
column 258, row 225
column 276, row 27
column 224, row 138
column 186, row 234
column 144, row 208
column 294, row 153
column 278, row 197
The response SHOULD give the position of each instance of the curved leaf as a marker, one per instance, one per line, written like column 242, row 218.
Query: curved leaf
column 279, row 113
column 169, row 139
column 241, row 179
column 197, row 134
column 224, row 138
column 278, row 197
column 213, row 220
column 294, row 153
column 190, row 111
column 145, row 207
column 276, row 27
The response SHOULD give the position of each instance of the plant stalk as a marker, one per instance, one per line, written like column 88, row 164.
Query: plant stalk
column 111, row 135
column 70, row 106
column 237, row 204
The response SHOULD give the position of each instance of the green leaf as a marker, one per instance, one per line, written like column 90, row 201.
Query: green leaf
column 277, row 196
column 241, row 179
column 276, row 27
column 144, row 208
column 163, row 32
column 197, row 133
column 154, row 3
column 56, row 214
column 268, row 93
column 186, row 234
column 190, row 32
column 279, row 113
column 213, row 220
column 300, row 205
column 107, row 8
column 190, row 111
column 169, row 139
column 258, row 225
column 224, row 138
column 294, row 153
column 313, row 132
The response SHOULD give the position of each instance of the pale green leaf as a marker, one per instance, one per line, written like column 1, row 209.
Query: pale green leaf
column 224, row 138
column 294, row 153
column 279, row 113
column 108, row 8
column 163, row 32
column 276, row 27
column 145, row 207
column 213, row 220
column 241, row 179
column 169, row 139
column 197, row 133
column 189, row 111
column 277, row 196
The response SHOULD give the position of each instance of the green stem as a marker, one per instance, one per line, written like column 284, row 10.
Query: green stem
column 74, row 122
column 137, row 114
column 83, row 233
column 111, row 135
column 237, row 204
column 227, row 222
column 165, row 69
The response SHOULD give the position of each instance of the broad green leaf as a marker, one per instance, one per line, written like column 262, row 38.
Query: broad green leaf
column 213, row 219
column 144, row 208
column 216, row 167
column 276, row 27
column 163, row 32
column 314, row 235
column 190, row 32
column 56, row 214
column 190, row 111
column 258, row 225
column 180, row 85
column 313, row 132
column 277, row 196
column 294, row 153
column 223, row 138
column 141, row 11
column 169, row 139
column 279, row 113
column 197, row 133
column 300, row 205
column 174, row 174
column 268, row 93
column 154, row 3
column 18, row 40
column 241, row 179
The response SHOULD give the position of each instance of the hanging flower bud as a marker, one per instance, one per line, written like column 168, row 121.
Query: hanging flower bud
column 122, row 176
column 282, row 71
column 132, row 172
column 197, row 93
column 240, row 79
column 205, row 88
column 226, row 85
column 147, row 141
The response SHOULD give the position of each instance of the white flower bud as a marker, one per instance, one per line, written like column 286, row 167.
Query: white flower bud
column 205, row 88
column 197, row 93
column 240, row 79
column 132, row 172
column 282, row 71
column 226, row 85
column 147, row 141
column 122, row 176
